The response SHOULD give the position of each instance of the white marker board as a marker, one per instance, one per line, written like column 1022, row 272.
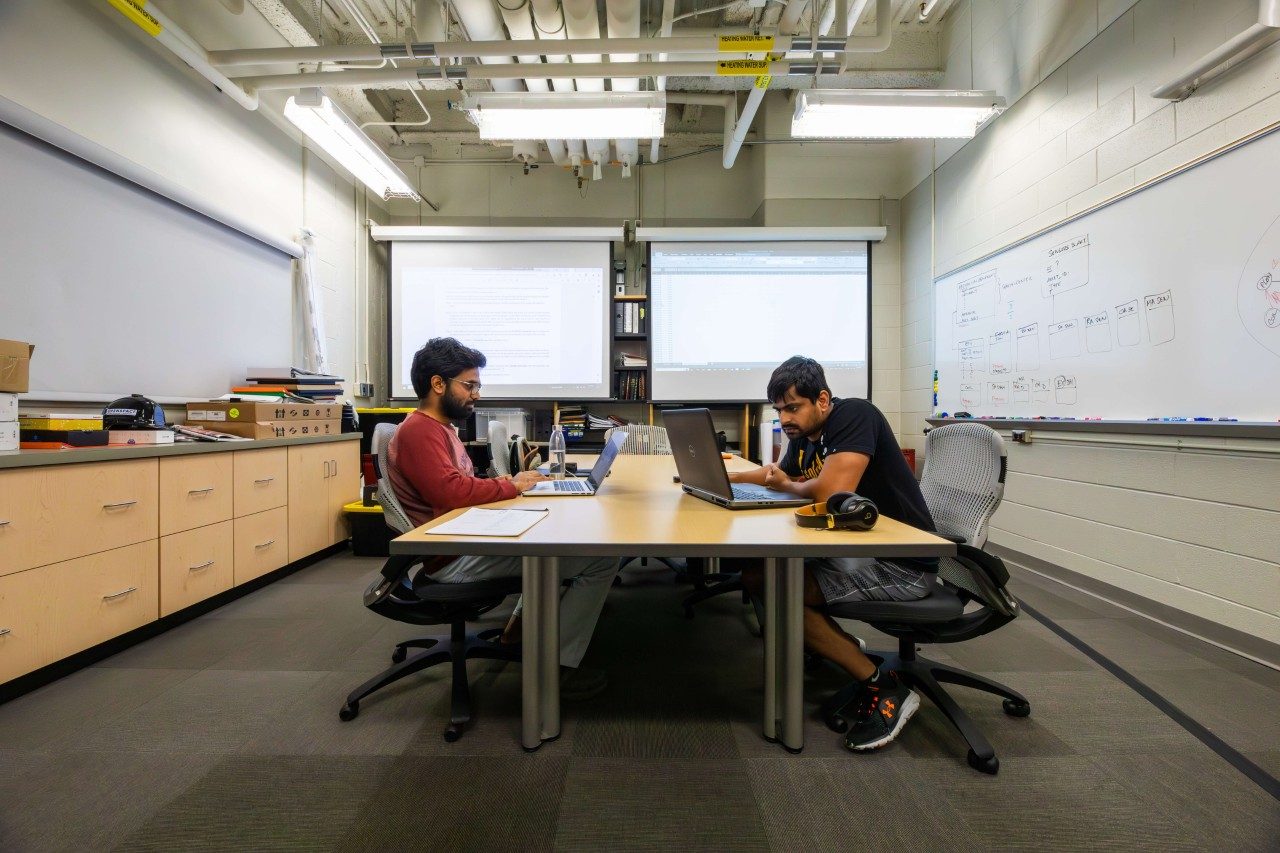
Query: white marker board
column 1165, row 303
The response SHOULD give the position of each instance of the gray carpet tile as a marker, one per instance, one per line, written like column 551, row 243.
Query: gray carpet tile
column 862, row 802
column 1023, row 580
column 212, row 711
column 1017, row 647
column 1267, row 759
column 342, row 569
column 1201, row 795
column 63, row 713
column 337, row 601
column 198, row 644
column 1125, row 644
column 462, row 803
column 298, row 643
column 1254, row 716
column 636, row 804
column 266, row 803
column 931, row 735
column 86, row 800
column 1213, row 655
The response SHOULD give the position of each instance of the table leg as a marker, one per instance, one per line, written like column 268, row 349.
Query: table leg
column 549, row 649
column 530, row 674
column 770, row 631
column 793, row 654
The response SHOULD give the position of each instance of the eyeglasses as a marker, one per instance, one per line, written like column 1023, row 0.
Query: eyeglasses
column 473, row 387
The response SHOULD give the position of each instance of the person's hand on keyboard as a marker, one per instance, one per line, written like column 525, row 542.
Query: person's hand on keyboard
column 525, row 480
column 775, row 477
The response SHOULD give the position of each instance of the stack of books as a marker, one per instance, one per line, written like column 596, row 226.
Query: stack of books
column 632, row 385
column 289, row 384
column 57, row 430
column 627, row 359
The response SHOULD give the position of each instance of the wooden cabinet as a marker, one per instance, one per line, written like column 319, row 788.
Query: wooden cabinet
column 93, row 550
column 63, row 511
column 322, row 478
column 261, row 543
column 195, row 565
column 103, row 596
column 195, row 491
column 260, row 480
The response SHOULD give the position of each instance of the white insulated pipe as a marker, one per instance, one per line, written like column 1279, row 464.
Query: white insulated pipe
column 520, row 27
column 660, row 81
column 1255, row 38
column 728, row 103
column 549, row 23
column 623, row 20
column 855, row 7
column 884, row 30
column 482, row 24
column 157, row 25
column 582, row 21
column 428, row 20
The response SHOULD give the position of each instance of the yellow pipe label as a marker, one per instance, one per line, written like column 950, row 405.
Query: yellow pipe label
column 134, row 11
column 744, row 44
column 762, row 82
column 742, row 67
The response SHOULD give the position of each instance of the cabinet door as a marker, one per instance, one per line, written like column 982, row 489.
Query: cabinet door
column 309, row 528
column 260, row 480
column 195, row 565
column 262, row 543
column 26, row 601
column 195, row 491
column 104, row 595
column 344, row 487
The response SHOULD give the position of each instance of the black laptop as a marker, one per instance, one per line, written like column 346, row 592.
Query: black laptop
column 702, row 471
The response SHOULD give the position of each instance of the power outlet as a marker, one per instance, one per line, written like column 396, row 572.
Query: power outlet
column 364, row 389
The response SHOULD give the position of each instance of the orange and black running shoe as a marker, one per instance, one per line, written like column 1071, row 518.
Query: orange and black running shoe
column 879, row 713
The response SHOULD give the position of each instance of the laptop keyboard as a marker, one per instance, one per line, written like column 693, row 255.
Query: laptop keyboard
column 576, row 486
column 749, row 492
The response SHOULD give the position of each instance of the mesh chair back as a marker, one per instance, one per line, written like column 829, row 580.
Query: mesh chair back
column 963, row 481
column 500, row 448
column 642, row 440
column 391, row 509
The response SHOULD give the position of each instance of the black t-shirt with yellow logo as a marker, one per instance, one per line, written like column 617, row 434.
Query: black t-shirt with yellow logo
column 857, row 426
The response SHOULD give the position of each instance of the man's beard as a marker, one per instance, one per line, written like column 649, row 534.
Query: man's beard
column 456, row 411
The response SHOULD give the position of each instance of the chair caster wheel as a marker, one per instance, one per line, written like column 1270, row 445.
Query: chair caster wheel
column 1014, row 708
column 984, row 765
column 688, row 613
column 452, row 734
column 399, row 654
column 837, row 723
column 349, row 712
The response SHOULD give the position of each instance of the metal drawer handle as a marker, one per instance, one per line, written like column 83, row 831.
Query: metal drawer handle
column 120, row 505
column 326, row 469
column 120, row 594
column 201, row 566
column 263, row 482
column 4, row 631
column 200, row 491
column 266, row 544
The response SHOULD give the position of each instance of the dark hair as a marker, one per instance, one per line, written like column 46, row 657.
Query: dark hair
column 805, row 374
column 444, row 357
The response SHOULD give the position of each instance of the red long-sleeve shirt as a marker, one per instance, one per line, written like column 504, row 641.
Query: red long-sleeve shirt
column 432, row 474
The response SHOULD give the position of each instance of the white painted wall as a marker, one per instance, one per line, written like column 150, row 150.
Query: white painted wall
column 1191, row 530
column 85, row 67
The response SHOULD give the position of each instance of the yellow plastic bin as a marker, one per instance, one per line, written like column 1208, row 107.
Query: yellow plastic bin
column 370, row 534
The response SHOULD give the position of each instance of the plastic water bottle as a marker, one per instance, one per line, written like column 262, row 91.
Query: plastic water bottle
column 557, row 452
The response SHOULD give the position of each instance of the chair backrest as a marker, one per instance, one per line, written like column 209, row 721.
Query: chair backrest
column 500, row 448
column 963, row 480
column 642, row 440
column 391, row 509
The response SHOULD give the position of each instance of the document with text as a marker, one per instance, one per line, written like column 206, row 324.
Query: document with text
column 491, row 522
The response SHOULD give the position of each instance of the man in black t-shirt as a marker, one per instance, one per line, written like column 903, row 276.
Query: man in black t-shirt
column 846, row 445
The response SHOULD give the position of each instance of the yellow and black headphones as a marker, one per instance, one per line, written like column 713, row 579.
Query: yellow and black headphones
column 841, row 511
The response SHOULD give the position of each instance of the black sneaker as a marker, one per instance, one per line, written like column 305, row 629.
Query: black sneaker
column 879, row 713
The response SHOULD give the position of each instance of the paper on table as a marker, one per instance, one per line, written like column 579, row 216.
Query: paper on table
column 491, row 522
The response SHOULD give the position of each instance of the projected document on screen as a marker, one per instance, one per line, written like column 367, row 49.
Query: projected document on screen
column 725, row 315
column 538, row 312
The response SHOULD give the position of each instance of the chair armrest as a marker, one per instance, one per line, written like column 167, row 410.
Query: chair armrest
column 959, row 540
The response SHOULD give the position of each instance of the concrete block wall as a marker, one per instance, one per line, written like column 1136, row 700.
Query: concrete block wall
column 1184, row 530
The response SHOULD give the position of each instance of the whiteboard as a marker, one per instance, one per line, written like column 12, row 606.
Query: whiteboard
column 1165, row 303
column 123, row 291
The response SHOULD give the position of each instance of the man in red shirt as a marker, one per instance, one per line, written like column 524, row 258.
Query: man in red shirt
column 432, row 474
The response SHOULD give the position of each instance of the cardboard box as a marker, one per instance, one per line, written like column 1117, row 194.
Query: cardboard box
column 274, row 429
column 15, row 366
column 226, row 411
column 8, row 408
column 9, row 436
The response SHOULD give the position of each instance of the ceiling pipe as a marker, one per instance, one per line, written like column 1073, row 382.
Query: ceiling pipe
column 830, row 13
column 481, row 23
column 582, row 23
column 428, row 20
column 519, row 23
column 623, row 19
column 728, row 103
column 548, row 45
column 660, row 81
column 1253, row 40
column 512, row 72
column 884, row 31
column 156, row 24
column 549, row 22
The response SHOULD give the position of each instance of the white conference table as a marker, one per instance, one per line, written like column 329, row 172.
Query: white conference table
column 641, row 511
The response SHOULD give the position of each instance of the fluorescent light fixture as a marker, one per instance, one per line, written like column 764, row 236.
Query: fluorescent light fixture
column 892, row 113
column 329, row 127
column 571, row 115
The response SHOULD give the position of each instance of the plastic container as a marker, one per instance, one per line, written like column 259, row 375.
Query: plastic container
column 556, row 452
column 370, row 535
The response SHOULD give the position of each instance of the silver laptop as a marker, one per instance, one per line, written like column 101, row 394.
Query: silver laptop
column 588, row 485
column 702, row 471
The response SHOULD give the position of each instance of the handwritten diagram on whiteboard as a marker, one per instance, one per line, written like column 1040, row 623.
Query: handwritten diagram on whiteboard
column 1164, row 304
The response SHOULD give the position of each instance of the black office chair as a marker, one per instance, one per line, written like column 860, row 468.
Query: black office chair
column 406, row 593
column 963, row 481
column 709, row 582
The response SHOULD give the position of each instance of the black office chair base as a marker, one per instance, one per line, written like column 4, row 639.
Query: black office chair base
column 927, row 676
column 459, row 647
column 709, row 586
